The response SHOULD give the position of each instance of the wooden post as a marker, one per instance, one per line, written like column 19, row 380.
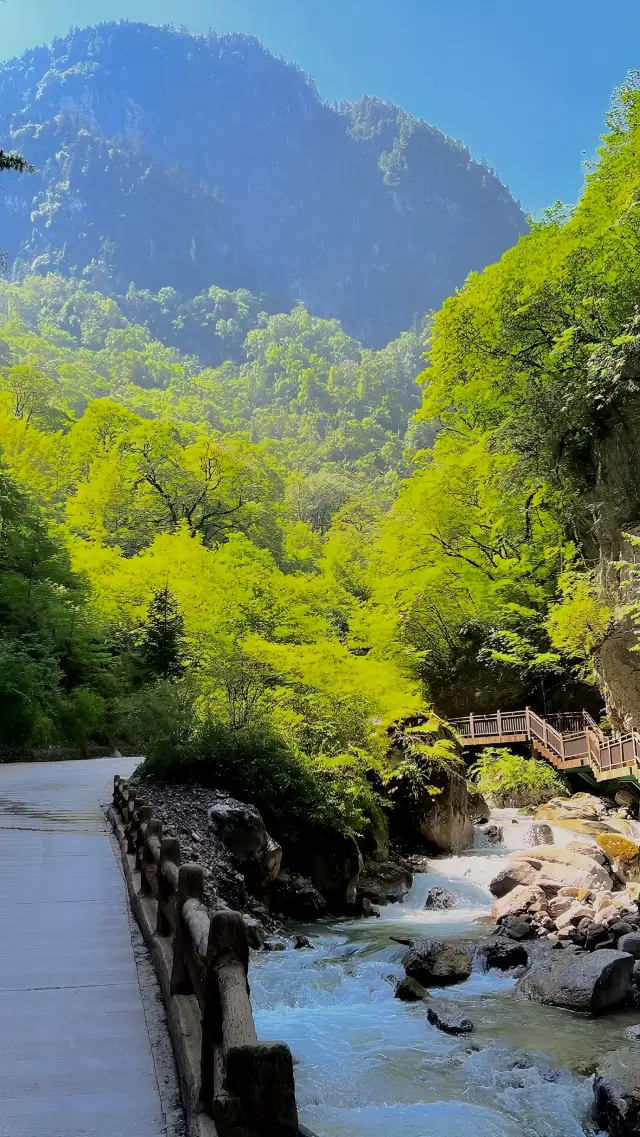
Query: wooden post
column 169, row 855
column 144, row 815
column 471, row 733
column 148, row 867
column 190, row 887
column 499, row 718
column 132, row 809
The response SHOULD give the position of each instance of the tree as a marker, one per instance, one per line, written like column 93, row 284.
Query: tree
column 11, row 161
column 163, row 651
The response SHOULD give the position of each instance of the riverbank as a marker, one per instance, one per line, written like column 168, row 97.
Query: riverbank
column 370, row 1064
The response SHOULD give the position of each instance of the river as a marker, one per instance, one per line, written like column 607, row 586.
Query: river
column 368, row 1065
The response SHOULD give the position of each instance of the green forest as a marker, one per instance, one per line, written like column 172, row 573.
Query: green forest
column 278, row 547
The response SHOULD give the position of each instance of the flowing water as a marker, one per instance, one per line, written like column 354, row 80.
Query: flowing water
column 368, row 1064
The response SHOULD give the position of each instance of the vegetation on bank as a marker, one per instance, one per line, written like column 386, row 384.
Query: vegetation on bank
column 253, row 570
column 507, row 779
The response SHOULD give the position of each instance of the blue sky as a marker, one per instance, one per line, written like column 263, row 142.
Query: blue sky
column 526, row 86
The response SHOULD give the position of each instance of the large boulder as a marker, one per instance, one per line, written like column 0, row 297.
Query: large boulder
column 335, row 864
column 437, row 964
column 579, row 807
column 241, row 828
column 573, row 869
column 433, row 811
column 616, row 1091
column 594, row 982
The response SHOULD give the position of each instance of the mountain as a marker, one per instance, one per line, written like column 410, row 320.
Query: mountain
column 172, row 160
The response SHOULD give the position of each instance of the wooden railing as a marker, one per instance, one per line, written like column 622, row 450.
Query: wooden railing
column 569, row 740
column 246, row 1086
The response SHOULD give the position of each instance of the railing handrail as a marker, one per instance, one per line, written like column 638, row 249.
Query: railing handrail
column 247, row 1087
column 617, row 752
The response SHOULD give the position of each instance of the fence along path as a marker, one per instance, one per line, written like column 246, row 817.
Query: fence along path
column 229, row 1078
column 569, row 741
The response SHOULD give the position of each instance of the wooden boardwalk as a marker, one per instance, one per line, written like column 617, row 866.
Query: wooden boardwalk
column 570, row 741
column 75, row 1053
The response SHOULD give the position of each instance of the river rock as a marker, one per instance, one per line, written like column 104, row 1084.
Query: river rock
column 517, row 928
column 295, row 898
column 437, row 964
column 453, row 1024
column 241, row 828
column 512, row 876
column 502, row 955
column 299, row 941
column 630, row 943
column 440, row 898
column 515, row 902
column 627, row 799
column 616, row 1092
column 274, row 943
column 384, row 882
column 408, row 990
column 335, row 864
column 594, row 982
column 479, row 811
column 537, row 834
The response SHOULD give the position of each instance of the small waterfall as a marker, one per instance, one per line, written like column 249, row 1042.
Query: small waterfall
column 369, row 1065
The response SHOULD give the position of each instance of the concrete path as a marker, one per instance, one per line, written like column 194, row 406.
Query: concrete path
column 75, row 1053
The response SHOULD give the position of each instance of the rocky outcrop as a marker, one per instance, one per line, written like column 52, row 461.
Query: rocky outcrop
column 593, row 982
column 616, row 1091
column 432, row 810
column 241, row 828
column 335, row 864
column 437, row 964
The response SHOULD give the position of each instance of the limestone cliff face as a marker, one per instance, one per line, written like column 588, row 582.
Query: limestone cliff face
column 169, row 159
column 617, row 668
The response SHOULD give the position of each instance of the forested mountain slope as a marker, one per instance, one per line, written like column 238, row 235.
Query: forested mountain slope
column 166, row 159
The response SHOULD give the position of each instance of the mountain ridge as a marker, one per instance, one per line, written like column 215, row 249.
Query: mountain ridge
column 240, row 175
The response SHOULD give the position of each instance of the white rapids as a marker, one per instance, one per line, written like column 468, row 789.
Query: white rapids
column 368, row 1065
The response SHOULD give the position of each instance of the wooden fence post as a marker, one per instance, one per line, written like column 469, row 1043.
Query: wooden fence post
column 148, row 865
column 190, row 887
column 167, row 882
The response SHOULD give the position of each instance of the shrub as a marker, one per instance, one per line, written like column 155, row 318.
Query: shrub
column 504, row 778
column 294, row 793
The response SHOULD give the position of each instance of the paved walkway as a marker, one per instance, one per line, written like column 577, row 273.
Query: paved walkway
column 75, row 1054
